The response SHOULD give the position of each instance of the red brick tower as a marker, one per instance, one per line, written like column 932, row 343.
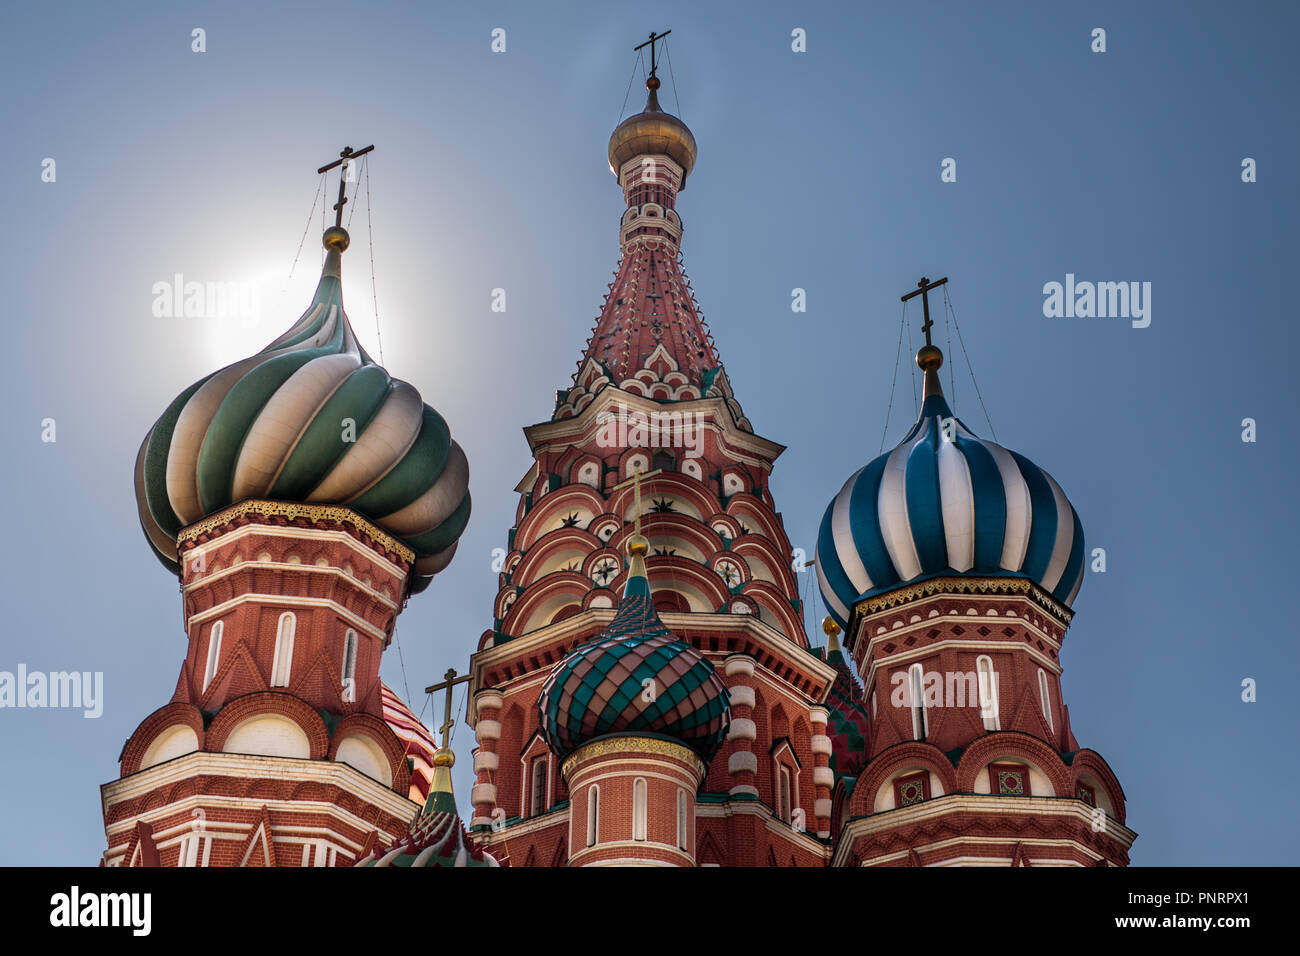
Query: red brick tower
column 650, row 396
column 301, row 495
column 953, row 564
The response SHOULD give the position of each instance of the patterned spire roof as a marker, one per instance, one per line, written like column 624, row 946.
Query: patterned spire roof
column 649, row 326
column 650, row 305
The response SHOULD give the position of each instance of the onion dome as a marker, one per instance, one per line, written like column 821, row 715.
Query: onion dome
column 846, row 723
column 437, row 836
column 416, row 740
column 311, row 418
column 601, row 687
column 652, row 132
column 946, row 502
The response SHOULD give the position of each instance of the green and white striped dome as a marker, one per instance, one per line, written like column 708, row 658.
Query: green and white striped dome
column 311, row 418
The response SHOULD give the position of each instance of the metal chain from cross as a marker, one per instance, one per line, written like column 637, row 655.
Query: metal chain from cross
column 635, row 481
column 344, row 160
column 923, row 290
column 654, row 38
column 451, row 680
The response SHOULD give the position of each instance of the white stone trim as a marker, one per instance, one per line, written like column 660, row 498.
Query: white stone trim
column 742, row 695
column 821, row 744
column 485, row 760
column 742, row 728
column 289, row 602
column 738, row 665
column 486, row 730
column 278, row 531
column 939, row 807
column 823, row 777
column 741, row 761
column 254, row 766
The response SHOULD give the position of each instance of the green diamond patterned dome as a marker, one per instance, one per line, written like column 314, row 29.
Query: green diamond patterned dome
column 311, row 418
column 602, row 686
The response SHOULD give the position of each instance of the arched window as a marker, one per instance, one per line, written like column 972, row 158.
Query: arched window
column 350, row 666
column 783, row 796
column 638, row 809
column 920, row 719
column 593, row 815
column 988, row 693
column 1045, row 696
column 283, row 662
column 214, row 653
column 681, row 820
column 537, row 803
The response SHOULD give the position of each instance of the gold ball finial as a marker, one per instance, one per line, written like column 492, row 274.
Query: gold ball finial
column 638, row 545
column 929, row 358
column 652, row 83
column 829, row 626
column 444, row 757
column 336, row 237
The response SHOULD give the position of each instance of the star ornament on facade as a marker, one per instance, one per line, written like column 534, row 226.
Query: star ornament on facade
column 605, row 569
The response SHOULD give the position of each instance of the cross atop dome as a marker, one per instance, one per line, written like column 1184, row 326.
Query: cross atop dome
column 345, row 160
column 652, row 81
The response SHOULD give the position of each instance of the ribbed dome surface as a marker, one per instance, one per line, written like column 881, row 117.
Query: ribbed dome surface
column 599, row 688
column 436, row 839
column 310, row 418
column 949, row 503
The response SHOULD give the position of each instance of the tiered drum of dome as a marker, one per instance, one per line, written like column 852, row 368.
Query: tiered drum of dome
column 952, row 563
column 301, row 495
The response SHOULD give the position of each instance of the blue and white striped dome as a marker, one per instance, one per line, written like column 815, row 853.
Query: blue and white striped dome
column 939, row 505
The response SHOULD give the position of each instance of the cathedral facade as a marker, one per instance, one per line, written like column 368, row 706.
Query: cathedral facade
column 647, row 693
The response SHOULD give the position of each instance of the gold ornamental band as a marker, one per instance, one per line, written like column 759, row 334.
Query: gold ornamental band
column 293, row 510
column 633, row 745
column 906, row 595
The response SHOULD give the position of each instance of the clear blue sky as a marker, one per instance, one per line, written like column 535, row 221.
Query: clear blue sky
column 817, row 170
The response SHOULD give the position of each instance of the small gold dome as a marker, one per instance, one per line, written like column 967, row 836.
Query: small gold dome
column 829, row 626
column 929, row 358
column 336, row 237
column 652, row 132
column 638, row 545
column 444, row 757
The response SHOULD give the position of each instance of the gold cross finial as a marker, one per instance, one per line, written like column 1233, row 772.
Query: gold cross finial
column 450, row 681
column 923, row 290
column 344, row 160
column 654, row 38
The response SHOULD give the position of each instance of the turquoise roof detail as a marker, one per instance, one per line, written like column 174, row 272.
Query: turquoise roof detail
column 946, row 502
column 603, row 686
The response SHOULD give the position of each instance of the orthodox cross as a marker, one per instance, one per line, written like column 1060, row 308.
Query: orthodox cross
column 654, row 38
column 344, row 160
column 448, row 685
column 923, row 290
